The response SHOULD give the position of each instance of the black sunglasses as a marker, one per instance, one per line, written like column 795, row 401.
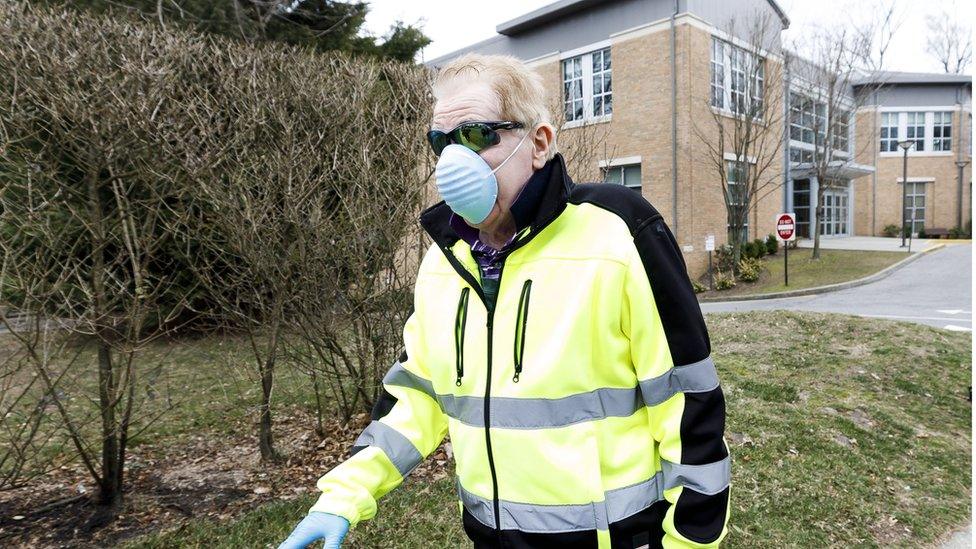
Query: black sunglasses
column 473, row 135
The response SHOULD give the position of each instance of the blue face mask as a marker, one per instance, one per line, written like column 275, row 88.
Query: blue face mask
column 467, row 183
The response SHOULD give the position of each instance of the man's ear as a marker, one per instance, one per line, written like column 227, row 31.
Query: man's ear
column 542, row 139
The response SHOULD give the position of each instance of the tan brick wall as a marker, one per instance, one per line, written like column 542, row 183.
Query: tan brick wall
column 641, row 126
column 941, row 194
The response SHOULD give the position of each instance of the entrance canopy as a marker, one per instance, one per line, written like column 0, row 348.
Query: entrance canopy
column 837, row 169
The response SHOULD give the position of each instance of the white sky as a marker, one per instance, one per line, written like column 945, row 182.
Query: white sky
column 453, row 25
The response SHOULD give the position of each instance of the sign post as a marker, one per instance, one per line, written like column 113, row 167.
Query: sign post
column 786, row 233
column 709, row 247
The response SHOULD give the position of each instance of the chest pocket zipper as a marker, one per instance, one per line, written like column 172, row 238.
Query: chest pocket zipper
column 459, row 321
column 520, row 322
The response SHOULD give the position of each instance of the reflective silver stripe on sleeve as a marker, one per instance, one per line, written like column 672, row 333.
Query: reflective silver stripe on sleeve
column 547, row 413
column 708, row 479
column 697, row 377
column 397, row 447
column 619, row 504
column 401, row 377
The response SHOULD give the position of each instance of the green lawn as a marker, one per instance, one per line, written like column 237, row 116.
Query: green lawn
column 848, row 432
column 805, row 272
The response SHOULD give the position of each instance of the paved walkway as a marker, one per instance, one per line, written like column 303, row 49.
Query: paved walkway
column 935, row 289
column 873, row 243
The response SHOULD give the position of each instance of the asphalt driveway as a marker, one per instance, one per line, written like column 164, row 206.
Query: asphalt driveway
column 935, row 289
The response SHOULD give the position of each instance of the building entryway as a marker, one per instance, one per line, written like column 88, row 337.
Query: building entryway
column 837, row 212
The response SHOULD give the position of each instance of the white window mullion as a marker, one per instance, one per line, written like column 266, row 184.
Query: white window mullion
column 902, row 126
column 929, row 132
column 727, row 66
column 587, row 60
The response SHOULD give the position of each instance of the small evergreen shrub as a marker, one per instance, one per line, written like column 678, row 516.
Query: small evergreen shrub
column 724, row 280
column 749, row 269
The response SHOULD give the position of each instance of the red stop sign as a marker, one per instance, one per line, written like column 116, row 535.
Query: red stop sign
column 785, row 226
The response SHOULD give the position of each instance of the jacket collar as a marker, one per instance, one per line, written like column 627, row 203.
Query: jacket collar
column 523, row 207
column 551, row 195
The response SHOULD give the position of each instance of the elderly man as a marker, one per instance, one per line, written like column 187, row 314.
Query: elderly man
column 555, row 336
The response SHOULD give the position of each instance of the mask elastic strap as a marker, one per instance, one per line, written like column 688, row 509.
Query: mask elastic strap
column 513, row 152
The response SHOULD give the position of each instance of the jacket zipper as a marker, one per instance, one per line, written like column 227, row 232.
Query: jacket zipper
column 520, row 322
column 466, row 275
column 491, row 458
column 459, row 322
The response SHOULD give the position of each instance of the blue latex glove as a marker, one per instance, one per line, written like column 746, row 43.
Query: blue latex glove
column 315, row 526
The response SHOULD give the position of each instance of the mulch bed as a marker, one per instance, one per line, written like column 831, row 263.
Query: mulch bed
column 166, row 485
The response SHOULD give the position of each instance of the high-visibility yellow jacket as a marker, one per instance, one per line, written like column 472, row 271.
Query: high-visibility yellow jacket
column 584, row 410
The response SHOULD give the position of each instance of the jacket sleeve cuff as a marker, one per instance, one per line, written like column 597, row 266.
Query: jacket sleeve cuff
column 330, row 504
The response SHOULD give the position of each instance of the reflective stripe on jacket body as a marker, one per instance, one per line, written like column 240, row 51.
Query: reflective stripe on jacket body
column 584, row 410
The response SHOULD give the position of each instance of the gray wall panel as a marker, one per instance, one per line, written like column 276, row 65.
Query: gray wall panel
column 920, row 95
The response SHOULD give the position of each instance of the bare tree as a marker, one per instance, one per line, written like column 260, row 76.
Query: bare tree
column 81, row 210
column 743, row 138
column 949, row 40
column 141, row 168
column 582, row 146
column 880, row 29
column 823, row 102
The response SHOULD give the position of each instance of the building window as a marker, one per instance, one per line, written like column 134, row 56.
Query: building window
column 915, row 206
column 915, row 129
column 942, row 131
column 718, row 73
column 736, row 190
column 807, row 119
column 573, row 88
column 602, row 99
column 628, row 175
column 801, row 207
column 745, row 74
column 842, row 130
column 889, row 132
column 801, row 156
column 587, row 87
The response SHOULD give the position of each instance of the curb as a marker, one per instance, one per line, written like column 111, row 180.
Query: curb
column 830, row 287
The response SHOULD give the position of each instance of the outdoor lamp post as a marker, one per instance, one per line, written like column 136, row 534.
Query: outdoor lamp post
column 961, row 164
column 905, row 145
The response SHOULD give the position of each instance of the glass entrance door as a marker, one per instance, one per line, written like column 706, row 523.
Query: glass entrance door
column 835, row 211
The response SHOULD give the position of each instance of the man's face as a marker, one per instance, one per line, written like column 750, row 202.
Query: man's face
column 473, row 101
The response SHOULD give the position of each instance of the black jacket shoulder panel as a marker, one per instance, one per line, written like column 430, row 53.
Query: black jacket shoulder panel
column 625, row 202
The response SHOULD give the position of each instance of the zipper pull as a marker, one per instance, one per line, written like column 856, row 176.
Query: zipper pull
column 520, row 321
column 459, row 322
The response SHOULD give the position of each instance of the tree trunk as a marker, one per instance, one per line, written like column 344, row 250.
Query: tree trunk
column 265, row 440
column 816, row 230
column 110, row 493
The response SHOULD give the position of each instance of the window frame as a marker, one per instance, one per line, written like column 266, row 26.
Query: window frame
column 622, row 165
column 928, row 139
column 942, row 125
column 912, row 194
column 585, row 57
column 808, row 124
column 888, row 139
column 730, row 162
column 736, row 82
column 912, row 126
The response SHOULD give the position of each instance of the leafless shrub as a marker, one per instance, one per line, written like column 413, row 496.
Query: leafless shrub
column 145, row 173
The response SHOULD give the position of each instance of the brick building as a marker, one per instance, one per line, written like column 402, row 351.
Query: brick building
column 662, row 75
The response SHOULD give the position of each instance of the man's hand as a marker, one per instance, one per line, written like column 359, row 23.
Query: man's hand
column 315, row 526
